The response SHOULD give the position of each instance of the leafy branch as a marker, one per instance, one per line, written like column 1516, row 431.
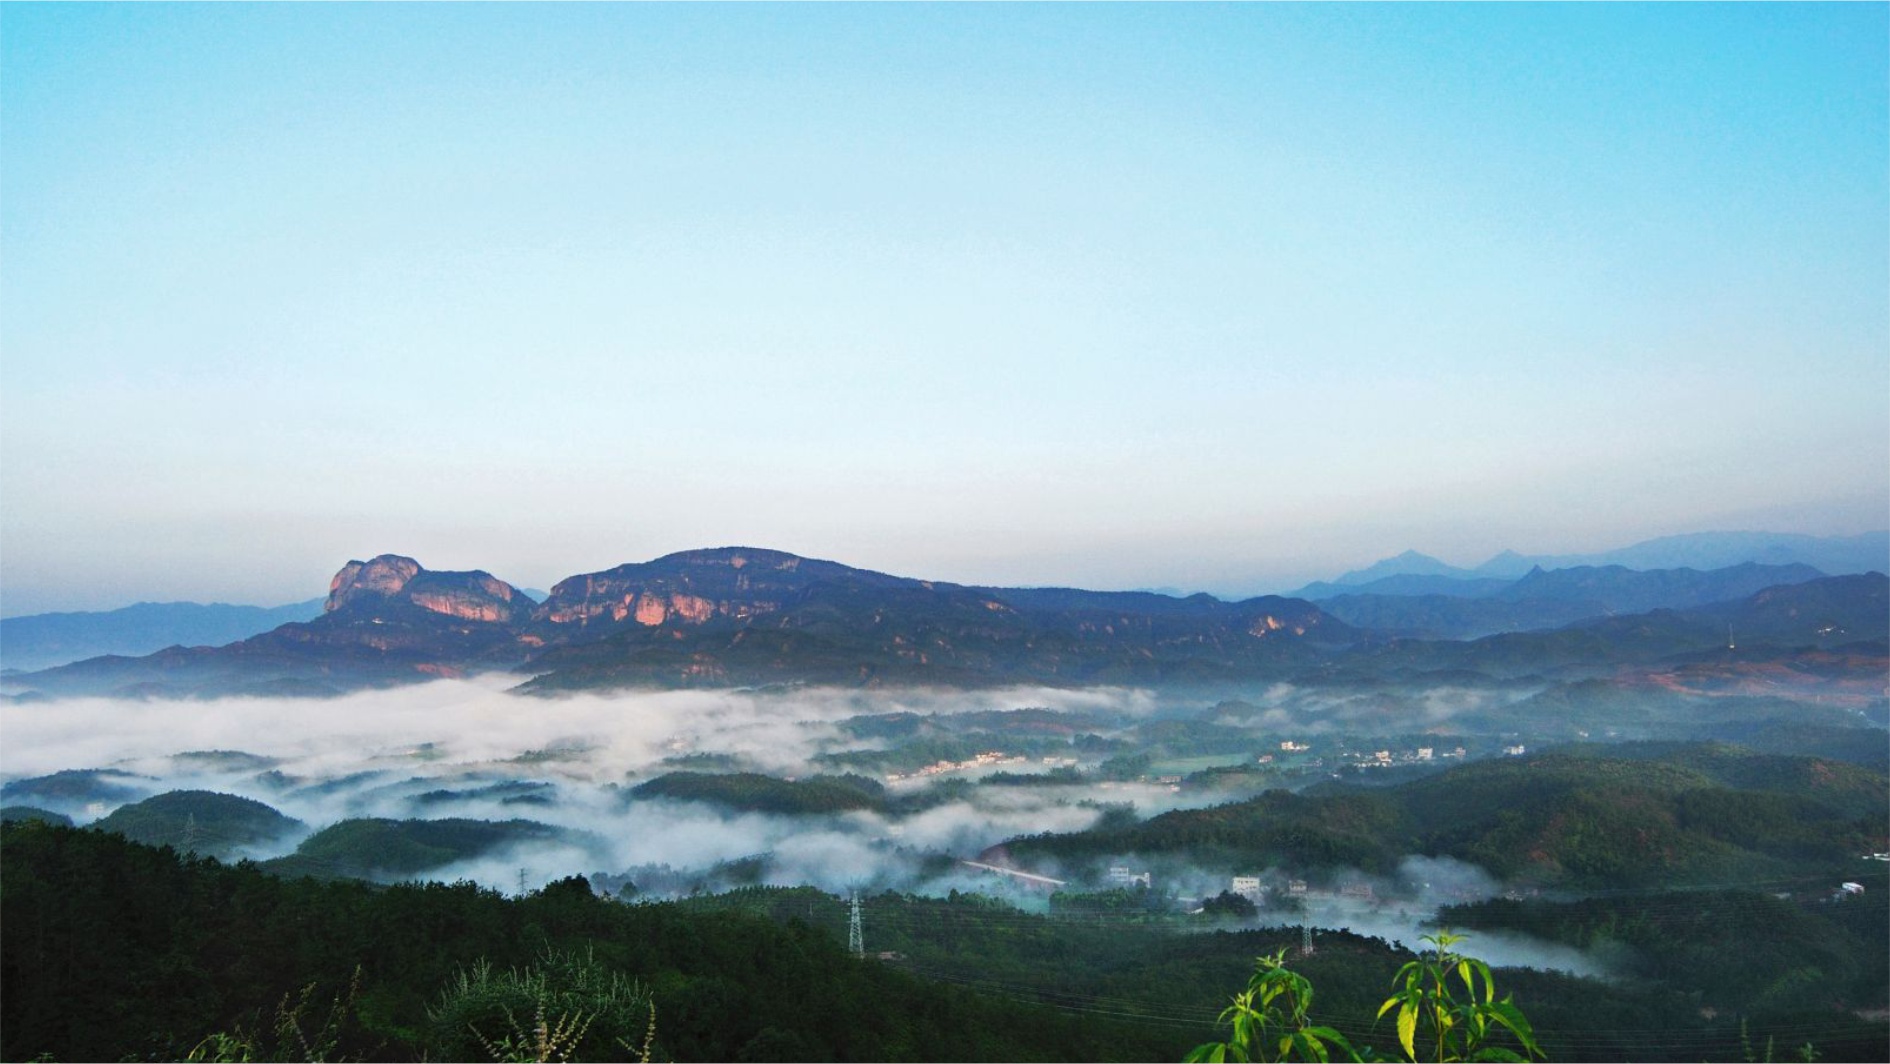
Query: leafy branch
column 1446, row 1006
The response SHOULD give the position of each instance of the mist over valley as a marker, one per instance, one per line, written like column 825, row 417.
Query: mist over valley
column 1358, row 815
column 966, row 778
column 906, row 532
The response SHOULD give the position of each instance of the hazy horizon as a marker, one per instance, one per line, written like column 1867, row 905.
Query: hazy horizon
column 1194, row 297
column 1234, row 591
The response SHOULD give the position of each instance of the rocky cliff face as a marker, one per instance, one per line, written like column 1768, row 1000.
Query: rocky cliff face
column 689, row 588
column 738, row 615
column 381, row 577
column 394, row 580
column 473, row 596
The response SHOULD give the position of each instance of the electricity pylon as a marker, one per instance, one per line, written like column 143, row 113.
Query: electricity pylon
column 856, row 940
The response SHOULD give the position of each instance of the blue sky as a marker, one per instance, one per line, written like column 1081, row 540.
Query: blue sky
column 1116, row 296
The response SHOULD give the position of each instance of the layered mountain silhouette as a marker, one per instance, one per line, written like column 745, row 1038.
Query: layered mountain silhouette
column 718, row 617
column 43, row 640
column 1838, row 555
column 746, row 616
column 1835, row 625
column 1551, row 598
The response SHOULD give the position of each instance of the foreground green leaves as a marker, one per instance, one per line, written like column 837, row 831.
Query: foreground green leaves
column 1269, row 1021
column 1447, row 1003
column 1446, row 1006
column 563, row 1006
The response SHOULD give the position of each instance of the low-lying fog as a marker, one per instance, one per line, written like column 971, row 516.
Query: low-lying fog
column 374, row 754
column 469, row 749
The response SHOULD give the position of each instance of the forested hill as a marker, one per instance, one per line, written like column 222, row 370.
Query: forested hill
column 113, row 951
column 1600, row 816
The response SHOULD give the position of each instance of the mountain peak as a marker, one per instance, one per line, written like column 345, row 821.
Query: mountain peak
column 1410, row 563
column 1508, row 565
column 392, row 578
column 383, row 575
column 734, row 558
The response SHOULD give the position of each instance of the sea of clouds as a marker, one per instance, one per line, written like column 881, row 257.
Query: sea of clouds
column 376, row 753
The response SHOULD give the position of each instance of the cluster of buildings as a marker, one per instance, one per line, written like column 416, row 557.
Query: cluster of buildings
column 1124, row 876
column 1381, row 758
column 1254, row 890
column 1385, row 758
column 1118, row 876
column 984, row 760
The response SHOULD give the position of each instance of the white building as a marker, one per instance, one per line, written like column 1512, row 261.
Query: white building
column 1121, row 875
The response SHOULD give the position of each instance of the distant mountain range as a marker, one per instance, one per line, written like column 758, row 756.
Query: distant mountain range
column 43, row 640
column 719, row 617
column 1837, row 623
column 1549, row 598
column 741, row 616
column 1421, row 574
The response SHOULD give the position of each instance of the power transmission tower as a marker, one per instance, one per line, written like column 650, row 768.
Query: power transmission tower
column 856, row 940
column 521, row 882
column 190, row 833
column 1305, row 939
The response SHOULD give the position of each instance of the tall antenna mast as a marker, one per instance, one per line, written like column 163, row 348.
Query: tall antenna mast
column 856, row 940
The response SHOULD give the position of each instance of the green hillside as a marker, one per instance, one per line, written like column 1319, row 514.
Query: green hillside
column 753, row 792
column 1628, row 815
column 379, row 848
column 10, row 813
column 118, row 951
column 1793, row 956
column 218, row 825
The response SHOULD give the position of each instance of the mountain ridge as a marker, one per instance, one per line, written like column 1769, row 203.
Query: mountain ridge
column 1834, row 555
column 44, row 640
column 726, row 615
column 1552, row 598
column 743, row 616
